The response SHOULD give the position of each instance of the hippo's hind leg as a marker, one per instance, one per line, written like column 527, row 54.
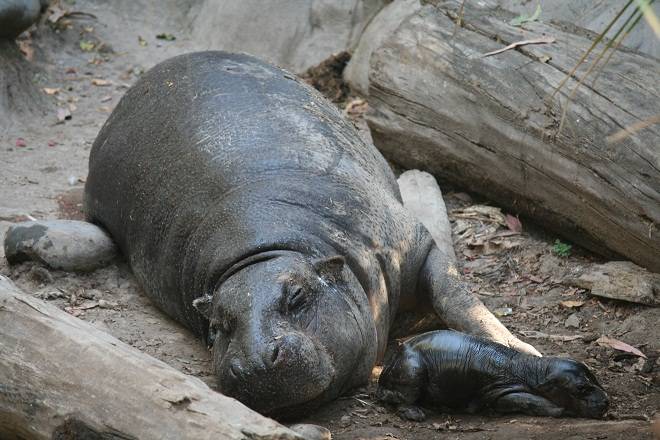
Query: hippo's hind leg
column 457, row 307
column 68, row 245
column 527, row 403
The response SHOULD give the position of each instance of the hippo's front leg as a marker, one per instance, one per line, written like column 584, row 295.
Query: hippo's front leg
column 527, row 403
column 458, row 308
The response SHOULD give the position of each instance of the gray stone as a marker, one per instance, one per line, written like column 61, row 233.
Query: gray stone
column 293, row 34
column 60, row 244
column 572, row 321
column 17, row 15
column 620, row 280
column 422, row 196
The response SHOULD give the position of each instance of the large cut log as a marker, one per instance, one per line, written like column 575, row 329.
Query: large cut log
column 61, row 378
column 486, row 123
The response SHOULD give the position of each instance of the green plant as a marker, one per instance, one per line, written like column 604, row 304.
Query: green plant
column 562, row 249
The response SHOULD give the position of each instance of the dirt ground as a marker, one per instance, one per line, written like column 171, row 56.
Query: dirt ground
column 90, row 61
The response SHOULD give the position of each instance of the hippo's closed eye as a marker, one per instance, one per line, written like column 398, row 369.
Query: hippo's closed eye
column 296, row 298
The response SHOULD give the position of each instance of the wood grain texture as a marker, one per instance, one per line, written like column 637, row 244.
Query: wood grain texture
column 488, row 125
column 61, row 378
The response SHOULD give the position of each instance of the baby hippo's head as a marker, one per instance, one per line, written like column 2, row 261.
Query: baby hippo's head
column 570, row 385
column 401, row 380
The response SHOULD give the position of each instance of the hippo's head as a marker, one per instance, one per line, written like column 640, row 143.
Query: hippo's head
column 289, row 332
column 570, row 385
column 401, row 380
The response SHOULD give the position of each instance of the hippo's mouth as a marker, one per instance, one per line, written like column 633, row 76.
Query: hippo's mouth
column 283, row 392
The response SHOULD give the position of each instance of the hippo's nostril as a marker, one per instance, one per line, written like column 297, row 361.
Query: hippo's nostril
column 276, row 354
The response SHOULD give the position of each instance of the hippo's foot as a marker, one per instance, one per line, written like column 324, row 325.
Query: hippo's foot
column 527, row 403
column 411, row 412
column 311, row 432
column 68, row 245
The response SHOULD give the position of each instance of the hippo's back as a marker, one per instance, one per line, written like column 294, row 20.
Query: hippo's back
column 212, row 156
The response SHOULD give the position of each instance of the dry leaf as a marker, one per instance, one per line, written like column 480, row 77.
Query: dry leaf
column 572, row 303
column 101, row 82
column 51, row 91
column 63, row 114
column 604, row 341
column 484, row 213
column 513, row 223
column 25, row 46
column 56, row 12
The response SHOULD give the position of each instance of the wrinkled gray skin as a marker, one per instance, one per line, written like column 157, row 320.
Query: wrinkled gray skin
column 251, row 212
column 17, row 15
column 458, row 371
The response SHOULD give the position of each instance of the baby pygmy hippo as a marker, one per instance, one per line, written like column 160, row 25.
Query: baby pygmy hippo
column 450, row 369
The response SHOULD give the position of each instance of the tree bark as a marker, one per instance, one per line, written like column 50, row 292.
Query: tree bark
column 61, row 378
column 487, row 123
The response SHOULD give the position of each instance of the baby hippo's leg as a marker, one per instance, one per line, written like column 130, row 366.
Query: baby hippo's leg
column 527, row 403
column 68, row 245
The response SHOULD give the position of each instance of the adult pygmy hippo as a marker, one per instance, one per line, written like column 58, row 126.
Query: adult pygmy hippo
column 454, row 370
column 250, row 211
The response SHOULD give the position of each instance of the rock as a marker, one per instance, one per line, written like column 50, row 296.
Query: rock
column 17, row 15
column 591, row 15
column 299, row 34
column 311, row 432
column 422, row 196
column 66, row 245
column 345, row 421
column 104, row 304
column 382, row 26
column 572, row 321
column 620, row 280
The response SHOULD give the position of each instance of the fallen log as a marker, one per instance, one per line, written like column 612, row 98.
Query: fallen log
column 61, row 378
column 486, row 123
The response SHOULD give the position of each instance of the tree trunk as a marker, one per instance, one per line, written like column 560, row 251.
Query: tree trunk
column 61, row 378
column 486, row 123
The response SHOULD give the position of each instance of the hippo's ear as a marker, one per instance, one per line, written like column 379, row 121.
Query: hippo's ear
column 330, row 267
column 203, row 305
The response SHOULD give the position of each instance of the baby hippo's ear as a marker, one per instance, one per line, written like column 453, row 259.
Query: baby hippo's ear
column 329, row 268
column 203, row 305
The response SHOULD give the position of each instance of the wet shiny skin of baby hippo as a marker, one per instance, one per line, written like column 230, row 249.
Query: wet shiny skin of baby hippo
column 457, row 371
column 290, row 333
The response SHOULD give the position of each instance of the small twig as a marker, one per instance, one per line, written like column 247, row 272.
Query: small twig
column 632, row 129
column 459, row 19
column 545, row 40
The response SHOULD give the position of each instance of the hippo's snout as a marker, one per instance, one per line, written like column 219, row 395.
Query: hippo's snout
column 286, row 371
column 596, row 405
